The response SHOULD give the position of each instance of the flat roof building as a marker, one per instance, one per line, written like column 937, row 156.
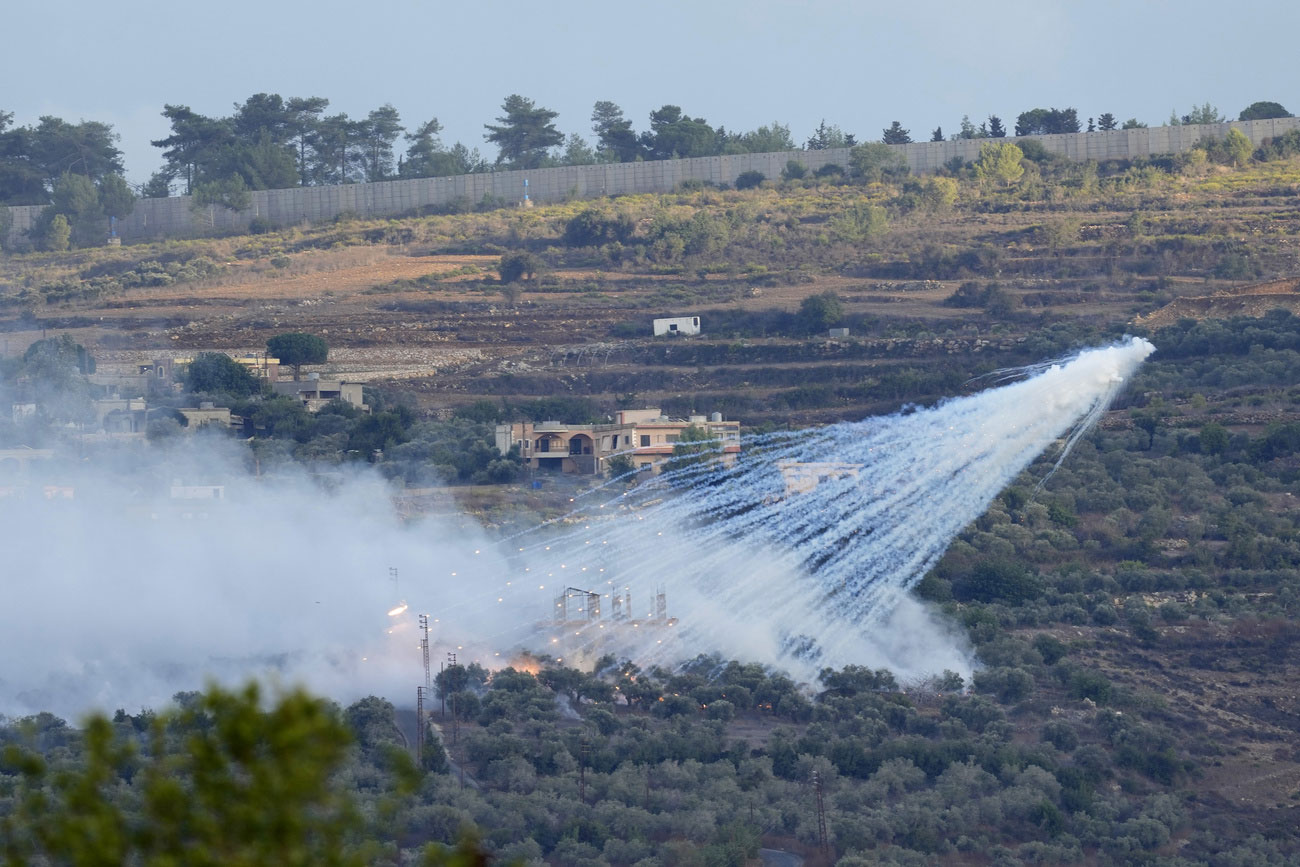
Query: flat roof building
column 316, row 392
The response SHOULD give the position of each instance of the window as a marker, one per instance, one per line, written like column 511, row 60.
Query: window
column 543, row 445
column 672, row 327
column 696, row 321
column 645, row 439
column 627, row 439
column 672, row 438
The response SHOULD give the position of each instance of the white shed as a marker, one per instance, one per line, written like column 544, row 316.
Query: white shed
column 677, row 325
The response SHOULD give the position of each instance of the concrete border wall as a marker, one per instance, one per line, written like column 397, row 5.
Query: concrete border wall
column 173, row 217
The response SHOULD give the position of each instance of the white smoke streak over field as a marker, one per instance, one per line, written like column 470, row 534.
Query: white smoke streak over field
column 755, row 567
column 123, row 595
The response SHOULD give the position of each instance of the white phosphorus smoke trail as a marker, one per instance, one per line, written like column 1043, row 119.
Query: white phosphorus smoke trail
column 799, row 553
column 799, row 556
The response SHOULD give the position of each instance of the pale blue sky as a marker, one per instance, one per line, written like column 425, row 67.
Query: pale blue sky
column 740, row 64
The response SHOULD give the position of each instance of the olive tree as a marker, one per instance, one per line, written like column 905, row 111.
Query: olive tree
column 517, row 266
column 821, row 311
column 218, row 372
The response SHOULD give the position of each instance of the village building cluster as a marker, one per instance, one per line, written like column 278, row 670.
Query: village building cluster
column 131, row 395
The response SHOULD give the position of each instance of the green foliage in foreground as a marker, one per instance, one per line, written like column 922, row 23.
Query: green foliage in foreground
column 218, row 782
column 225, row 778
column 672, row 771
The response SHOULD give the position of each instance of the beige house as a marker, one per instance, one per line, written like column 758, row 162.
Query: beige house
column 121, row 414
column 205, row 414
column 131, row 416
column 14, row 462
column 644, row 435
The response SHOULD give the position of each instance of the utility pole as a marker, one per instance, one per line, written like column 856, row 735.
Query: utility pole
column 582, row 773
column 424, row 647
column 419, row 725
column 822, row 842
column 455, row 723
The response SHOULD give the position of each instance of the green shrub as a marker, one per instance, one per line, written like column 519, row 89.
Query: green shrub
column 518, row 266
column 1094, row 685
column 593, row 227
column 1009, row 684
column 1051, row 648
column 998, row 581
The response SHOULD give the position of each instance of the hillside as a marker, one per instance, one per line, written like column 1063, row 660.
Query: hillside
column 416, row 295
column 1253, row 301
column 1135, row 611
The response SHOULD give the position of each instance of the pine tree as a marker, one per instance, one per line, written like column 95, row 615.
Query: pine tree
column 524, row 133
column 896, row 134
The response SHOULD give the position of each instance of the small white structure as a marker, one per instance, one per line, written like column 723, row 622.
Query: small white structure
column 677, row 325
column 197, row 492
column 837, row 332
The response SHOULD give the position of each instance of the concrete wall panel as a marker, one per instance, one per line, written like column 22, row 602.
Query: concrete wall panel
column 173, row 218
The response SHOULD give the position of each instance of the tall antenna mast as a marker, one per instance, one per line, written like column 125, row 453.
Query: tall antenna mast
column 424, row 648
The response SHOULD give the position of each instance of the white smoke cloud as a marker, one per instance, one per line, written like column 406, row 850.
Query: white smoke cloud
column 124, row 595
